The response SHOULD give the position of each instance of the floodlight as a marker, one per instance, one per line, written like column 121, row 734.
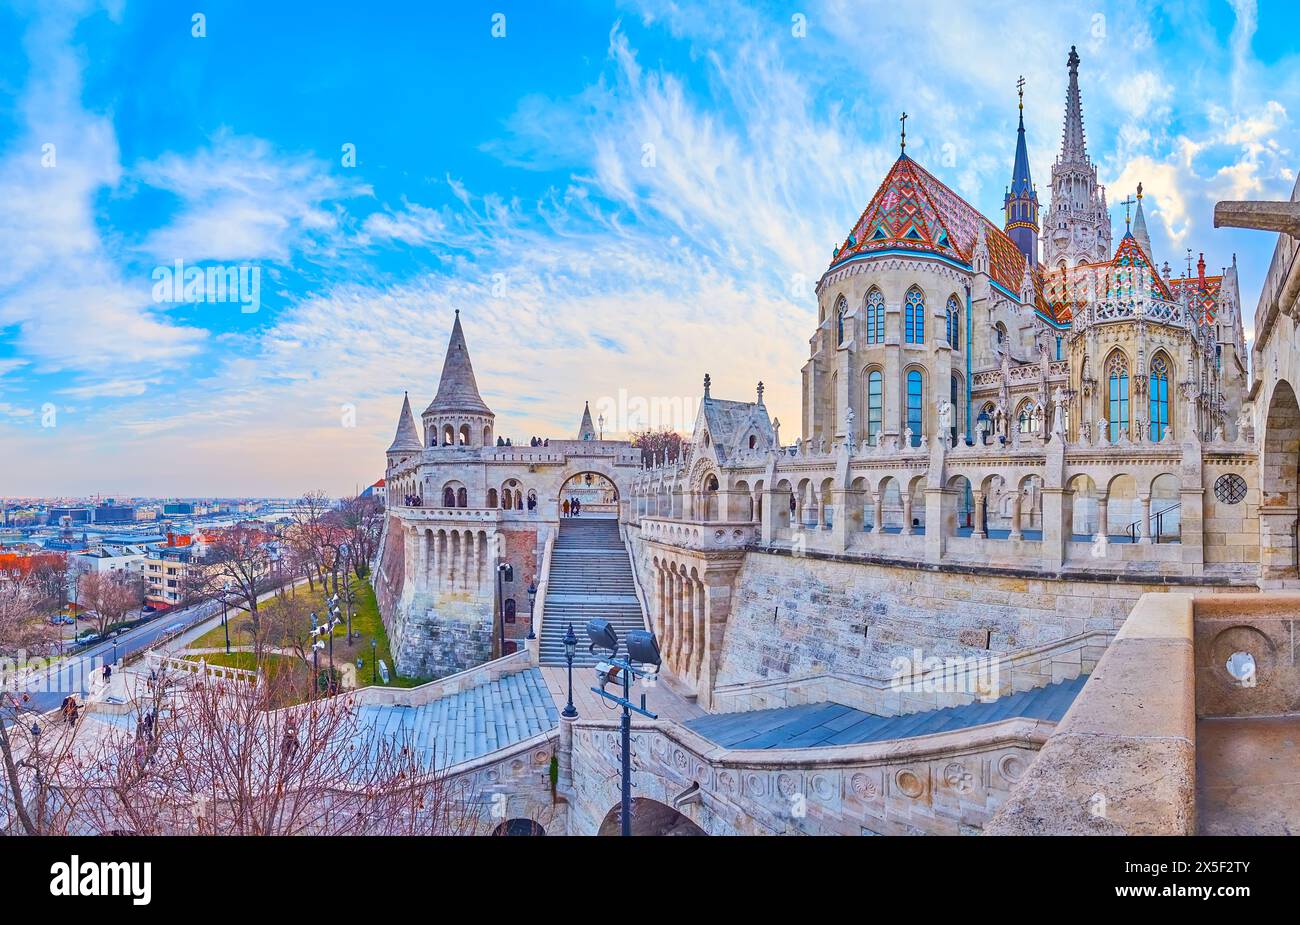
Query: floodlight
column 643, row 647
column 602, row 636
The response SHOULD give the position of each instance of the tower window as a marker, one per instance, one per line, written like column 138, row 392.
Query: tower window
column 914, row 317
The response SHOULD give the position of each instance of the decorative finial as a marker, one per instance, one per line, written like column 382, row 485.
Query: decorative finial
column 1130, row 201
column 1139, row 189
column 902, row 139
column 707, row 381
column 1020, row 88
column 760, row 391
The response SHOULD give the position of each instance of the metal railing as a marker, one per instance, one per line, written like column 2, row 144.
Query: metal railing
column 1158, row 518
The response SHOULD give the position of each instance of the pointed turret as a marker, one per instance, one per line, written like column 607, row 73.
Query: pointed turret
column 458, row 416
column 407, row 439
column 457, row 389
column 1021, row 204
column 1074, row 149
column 1140, row 226
column 586, row 430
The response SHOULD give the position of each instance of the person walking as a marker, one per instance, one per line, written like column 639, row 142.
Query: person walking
column 577, row 507
column 566, row 507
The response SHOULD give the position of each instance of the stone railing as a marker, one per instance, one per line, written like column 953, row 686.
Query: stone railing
column 172, row 665
column 443, row 514
column 1123, row 759
column 494, row 670
column 534, row 645
column 945, row 783
column 699, row 534
column 958, row 680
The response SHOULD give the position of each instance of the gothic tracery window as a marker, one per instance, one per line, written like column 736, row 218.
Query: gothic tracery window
column 875, row 317
column 915, row 408
column 1158, row 391
column 914, row 317
column 1117, row 393
column 954, row 323
column 875, row 404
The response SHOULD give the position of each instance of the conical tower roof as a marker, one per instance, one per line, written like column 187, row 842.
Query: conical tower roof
column 408, row 435
column 457, row 390
column 586, row 430
column 1074, row 146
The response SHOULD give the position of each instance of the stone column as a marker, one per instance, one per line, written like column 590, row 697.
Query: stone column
column 688, row 627
column 939, row 504
column 767, row 524
column 701, row 624
column 1103, row 513
column 907, row 511
column 666, row 643
column 1058, row 506
column 1144, row 536
column 679, row 619
column 1277, row 547
column 659, row 604
column 564, row 755
column 878, row 513
column 977, row 524
column 1016, row 501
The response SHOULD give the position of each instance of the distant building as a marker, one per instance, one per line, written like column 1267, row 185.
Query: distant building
column 110, row 513
column 177, row 508
column 76, row 515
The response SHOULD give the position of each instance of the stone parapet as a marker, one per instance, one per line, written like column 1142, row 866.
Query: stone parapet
column 1123, row 759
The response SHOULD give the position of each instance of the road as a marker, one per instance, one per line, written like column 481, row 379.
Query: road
column 73, row 674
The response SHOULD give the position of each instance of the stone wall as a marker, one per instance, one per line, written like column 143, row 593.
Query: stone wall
column 801, row 616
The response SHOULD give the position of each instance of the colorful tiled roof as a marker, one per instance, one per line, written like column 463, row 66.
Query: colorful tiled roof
column 913, row 210
column 1204, row 293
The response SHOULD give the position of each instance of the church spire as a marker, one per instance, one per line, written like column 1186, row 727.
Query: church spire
column 1140, row 227
column 1021, row 204
column 1074, row 149
column 457, row 389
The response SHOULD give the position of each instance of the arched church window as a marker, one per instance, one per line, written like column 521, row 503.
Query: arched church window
column 875, row 317
column 449, row 497
column 875, row 404
column 915, row 398
column 1026, row 420
column 1000, row 330
column 954, row 323
column 1117, row 393
column 462, row 498
column 914, row 317
column 1158, row 390
column 841, row 309
column 954, row 388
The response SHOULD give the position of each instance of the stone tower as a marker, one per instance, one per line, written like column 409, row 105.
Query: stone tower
column 586, row 430
column 1077, row 226
column 406, row 443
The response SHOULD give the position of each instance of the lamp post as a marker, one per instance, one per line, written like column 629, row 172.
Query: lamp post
column 532, row 600
column 504, row 573
column 374, row 661
column 641, row 647
column 225, row 623
column 570, row 649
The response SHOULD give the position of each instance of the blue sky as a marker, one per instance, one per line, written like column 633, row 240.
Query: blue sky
column 619, row 197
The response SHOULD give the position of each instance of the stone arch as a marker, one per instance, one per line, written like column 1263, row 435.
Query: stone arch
column 962, row 507
column 1165, row 491
column 597, row 485
column 1123, row 506
column 783, row 511
column 1084, row 507
column 889, row 496
column 649, row 817
column 520, row 827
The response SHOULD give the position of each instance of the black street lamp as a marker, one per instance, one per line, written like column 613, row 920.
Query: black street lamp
column 570, row 649
column 374, row 661
column 225, row 622
column 504, row 573
column 532, row 600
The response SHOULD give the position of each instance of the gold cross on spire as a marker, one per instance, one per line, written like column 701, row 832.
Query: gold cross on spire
column 902, row 141
column 1020, row 88
column 1130, row 201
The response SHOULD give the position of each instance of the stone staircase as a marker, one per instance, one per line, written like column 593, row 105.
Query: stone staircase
column 818, row 724
column 469, row 723
column 590, row 578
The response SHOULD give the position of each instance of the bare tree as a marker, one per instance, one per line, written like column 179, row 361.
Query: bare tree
column 658, row 446
column 210, row 758
column 235, row 570
column 363, row 519
column 111, row 595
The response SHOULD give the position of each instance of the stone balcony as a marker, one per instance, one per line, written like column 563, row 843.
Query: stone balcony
column 466, row 515
column 699, row 534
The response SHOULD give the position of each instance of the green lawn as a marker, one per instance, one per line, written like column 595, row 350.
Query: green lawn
column 365, row 619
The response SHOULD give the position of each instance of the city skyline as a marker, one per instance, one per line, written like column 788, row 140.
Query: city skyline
column 607, row 200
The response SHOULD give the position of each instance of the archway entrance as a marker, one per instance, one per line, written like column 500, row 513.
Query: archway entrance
column 523, row 827
column 595, row 494
column 1280, row 489
column 650, row 817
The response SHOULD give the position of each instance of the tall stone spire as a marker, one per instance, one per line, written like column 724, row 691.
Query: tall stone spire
column 1140, row 228
column 1074, row 148
column 457, row 389
column 1076, row 226
column 407, row 439
column 1021, row 203
column 586, row 430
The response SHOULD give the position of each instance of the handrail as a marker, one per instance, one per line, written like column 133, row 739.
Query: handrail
column 1158, row 517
